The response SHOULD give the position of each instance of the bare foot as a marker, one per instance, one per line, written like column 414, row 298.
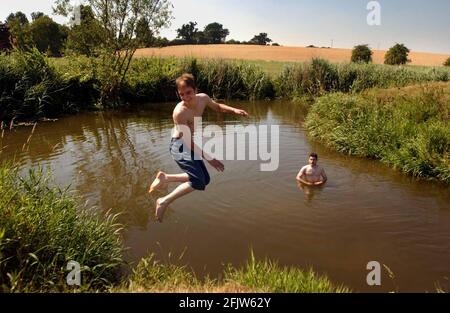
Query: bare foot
column 160, row 209
column 159, row 182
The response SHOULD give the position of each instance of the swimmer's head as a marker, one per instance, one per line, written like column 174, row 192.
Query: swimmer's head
column 313, row 158
column 186, row 87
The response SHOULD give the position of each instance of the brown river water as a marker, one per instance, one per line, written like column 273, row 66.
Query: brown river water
column 366, row 211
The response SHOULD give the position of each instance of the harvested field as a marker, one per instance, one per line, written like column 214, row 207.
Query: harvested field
column 280, row 54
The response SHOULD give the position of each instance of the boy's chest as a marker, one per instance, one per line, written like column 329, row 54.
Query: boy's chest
column 191, row 114
column 312, row 171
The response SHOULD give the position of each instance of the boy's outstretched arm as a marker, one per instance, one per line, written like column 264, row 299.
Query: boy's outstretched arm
column 223, row 108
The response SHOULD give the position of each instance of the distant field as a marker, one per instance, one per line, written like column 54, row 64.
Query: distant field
column 276, row 56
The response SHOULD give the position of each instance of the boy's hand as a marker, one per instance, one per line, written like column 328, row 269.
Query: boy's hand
column 240, row 112
column 217, row 165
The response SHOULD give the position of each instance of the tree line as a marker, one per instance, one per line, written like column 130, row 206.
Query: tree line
column 213, row 33
column 396, row 55
column 89, row 33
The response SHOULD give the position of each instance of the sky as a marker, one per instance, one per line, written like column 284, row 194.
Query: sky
column 421, row 25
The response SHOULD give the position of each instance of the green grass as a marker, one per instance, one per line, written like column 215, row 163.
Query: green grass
column 320, row 77
column 273, row 68
column 254, row 276
column 406, row 128
column 42, row 228
column 268, row 276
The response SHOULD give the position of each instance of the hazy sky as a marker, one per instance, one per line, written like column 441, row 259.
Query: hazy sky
column 421, row 25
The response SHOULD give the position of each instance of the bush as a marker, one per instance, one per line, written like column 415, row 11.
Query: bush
column 447, row 62
column 397, row 55
column 362, row 54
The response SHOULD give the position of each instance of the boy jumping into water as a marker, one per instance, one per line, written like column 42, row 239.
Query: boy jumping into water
column 312, row 174
column 195, row 176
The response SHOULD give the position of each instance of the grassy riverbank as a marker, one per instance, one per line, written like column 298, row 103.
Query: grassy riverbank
column 33, row 86
column 42, row 228
column 406, row 128
column 254, row 276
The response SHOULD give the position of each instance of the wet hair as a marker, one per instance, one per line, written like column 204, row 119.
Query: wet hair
column 314, row 155
column 186, row 79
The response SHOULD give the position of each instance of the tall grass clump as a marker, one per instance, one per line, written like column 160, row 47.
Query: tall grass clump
column 152, row 276
column 31, row 88
column 312, row 78
column 408, row 129
column 255, row 276
column 268, row 276
column 42, row 229
column 153, row 79
column 319, row 77
column 230, row 80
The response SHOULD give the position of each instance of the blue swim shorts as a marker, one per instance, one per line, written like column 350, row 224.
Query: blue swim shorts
column 196, row 169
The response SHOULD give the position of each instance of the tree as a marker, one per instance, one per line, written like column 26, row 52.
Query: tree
column 5, row 38
column 88, row 36
column 188, row 32
column 161, row 42
column 119, row 20
column 215, row 33
column 397, row 55
column 261, row 39
column 47, row 35
column 447, row 62
column 19, row 28
column 36, row 15
column 144, row 35
column 233, row 42
column 20, row 17
column 200, row 38
column 362, row 54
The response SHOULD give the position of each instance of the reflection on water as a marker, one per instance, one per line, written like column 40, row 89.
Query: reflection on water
column 310, row 191
column 365, row 212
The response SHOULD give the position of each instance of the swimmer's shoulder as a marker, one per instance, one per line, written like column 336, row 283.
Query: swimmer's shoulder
column 178, row 112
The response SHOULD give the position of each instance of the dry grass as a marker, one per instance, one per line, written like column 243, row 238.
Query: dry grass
column 225, row 288
column 280, row 54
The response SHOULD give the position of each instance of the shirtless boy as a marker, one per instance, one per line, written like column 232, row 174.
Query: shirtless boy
column 195, row 176
column 312, row 174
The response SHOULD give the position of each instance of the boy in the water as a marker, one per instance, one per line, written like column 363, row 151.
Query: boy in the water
column 195, row 176
column 312, row 174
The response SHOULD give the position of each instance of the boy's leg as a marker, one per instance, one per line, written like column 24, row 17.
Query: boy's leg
column 163, row 178
column 177, row 178
column 163, row 203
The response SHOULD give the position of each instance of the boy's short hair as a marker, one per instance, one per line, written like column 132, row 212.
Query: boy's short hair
column 314, row 155
column 186, row 79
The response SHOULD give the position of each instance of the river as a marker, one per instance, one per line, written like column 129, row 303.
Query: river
column 366, row 211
